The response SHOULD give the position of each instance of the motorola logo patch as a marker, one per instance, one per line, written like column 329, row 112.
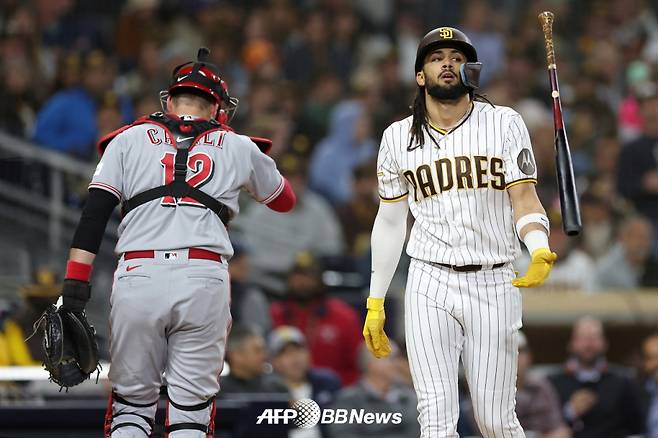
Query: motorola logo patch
column 526, row 162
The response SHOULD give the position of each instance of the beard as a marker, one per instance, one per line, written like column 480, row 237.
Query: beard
column 449, row 92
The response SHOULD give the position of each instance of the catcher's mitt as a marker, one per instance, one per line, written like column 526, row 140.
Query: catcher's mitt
column 69, row 345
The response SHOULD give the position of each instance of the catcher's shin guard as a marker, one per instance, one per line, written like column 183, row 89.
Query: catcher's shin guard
column 132, row 413
column 199, row 417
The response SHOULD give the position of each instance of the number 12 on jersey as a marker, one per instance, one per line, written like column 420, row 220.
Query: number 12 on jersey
column 202, row 168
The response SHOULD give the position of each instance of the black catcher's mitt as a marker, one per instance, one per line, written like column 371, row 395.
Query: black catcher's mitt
column 69, row 345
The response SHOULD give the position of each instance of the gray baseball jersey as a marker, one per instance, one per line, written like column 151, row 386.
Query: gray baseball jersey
column 170, row 311
column 456, row 187
column 220, row 164
column 457, row 192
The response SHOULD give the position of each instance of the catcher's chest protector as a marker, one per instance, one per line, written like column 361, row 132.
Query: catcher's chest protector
column 183, row 132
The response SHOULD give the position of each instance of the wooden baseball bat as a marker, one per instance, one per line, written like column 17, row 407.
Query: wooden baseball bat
column 571, row 221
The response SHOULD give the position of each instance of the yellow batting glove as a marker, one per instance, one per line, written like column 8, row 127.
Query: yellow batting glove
column 540, row 267
column 373, row 329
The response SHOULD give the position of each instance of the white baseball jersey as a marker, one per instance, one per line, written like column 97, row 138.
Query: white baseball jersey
column 456, row 184
column 456, row 188
column 221, row 164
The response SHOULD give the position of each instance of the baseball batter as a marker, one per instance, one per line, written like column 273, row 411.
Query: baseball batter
column 465, row 169
column 178, row 176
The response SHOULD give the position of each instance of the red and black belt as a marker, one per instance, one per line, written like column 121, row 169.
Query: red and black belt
column 192, row 253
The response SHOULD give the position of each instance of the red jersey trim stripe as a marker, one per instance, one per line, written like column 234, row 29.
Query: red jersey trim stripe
column 108, row 188
column 276, row 193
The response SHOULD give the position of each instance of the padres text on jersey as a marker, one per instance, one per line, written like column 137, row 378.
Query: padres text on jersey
column 456, row 185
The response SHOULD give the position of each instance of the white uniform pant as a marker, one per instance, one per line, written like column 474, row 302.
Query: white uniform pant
column 474, row 316
column 167, row 314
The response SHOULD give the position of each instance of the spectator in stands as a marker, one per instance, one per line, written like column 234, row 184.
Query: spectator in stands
column 291, row 360
column 378, row 391
column 320, row 100
column 332, row 328
column 582, row 134
column 246, row 354
column 147, row 104
column 596, row 400
column 67, row 122
column 249, row 305
column 224, row 55
column 108, row 115
column 393, row 102
column 358, row 215
column 18, row 97
column 604, row 172
column 135, row 23
column 637, row 177
column 598, row 225
column 650, row 372
column 478, row 25
column 68, row 72
column 306, row 53
column 537, row 405
column 348, row 144
column 148, row 77
column 275, row 239
column 17, row 327
column 623, row 266
column 344, row 40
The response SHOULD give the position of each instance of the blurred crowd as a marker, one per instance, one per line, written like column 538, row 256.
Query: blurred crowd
column 322, row 79
column 585, row 397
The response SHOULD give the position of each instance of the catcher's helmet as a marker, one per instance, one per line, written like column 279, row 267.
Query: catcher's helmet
column 202, row 78
column 453, row 38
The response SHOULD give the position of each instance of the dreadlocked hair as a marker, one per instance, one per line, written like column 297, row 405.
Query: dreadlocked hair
column 482, row 98
column 418, row 120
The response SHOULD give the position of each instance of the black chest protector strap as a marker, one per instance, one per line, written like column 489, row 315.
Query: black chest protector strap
column 179, row 188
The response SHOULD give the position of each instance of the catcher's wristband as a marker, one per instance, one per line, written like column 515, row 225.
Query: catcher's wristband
column 77, row 271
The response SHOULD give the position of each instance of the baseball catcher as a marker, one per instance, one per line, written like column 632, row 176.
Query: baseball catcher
column 177, row 175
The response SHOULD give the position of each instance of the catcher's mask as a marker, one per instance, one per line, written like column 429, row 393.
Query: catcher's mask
column 202, row 78
column 469, row 72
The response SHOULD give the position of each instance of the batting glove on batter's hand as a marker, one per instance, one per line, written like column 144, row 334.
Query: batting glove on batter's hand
column 373, row 329
column 540, row 267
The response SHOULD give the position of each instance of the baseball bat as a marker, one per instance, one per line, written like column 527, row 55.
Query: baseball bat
column 571, row 221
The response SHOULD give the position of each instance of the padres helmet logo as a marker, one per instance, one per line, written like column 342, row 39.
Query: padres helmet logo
column 445, row 32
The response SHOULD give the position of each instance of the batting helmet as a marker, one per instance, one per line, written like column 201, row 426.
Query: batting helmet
column 202, row 78
column 456, row 39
